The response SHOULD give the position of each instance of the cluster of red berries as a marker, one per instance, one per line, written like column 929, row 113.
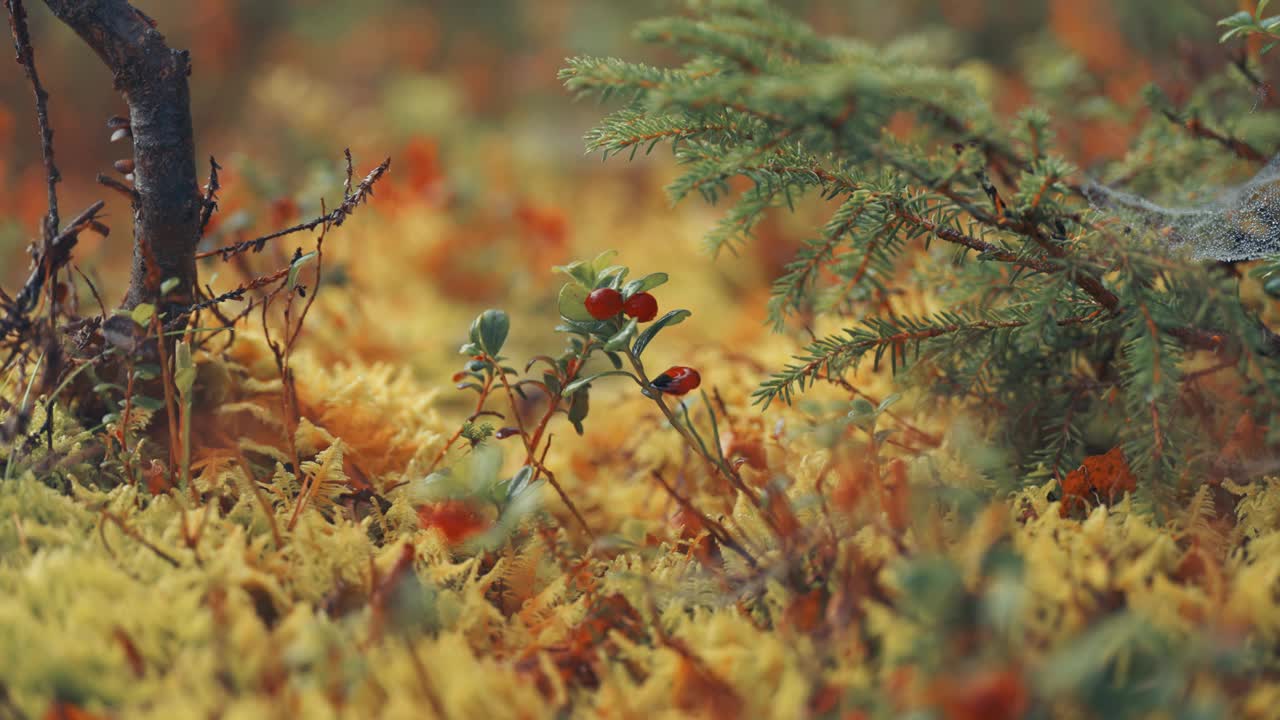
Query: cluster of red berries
column 604, row 303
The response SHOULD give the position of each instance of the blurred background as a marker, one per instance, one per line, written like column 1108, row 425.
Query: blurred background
column 487, row 146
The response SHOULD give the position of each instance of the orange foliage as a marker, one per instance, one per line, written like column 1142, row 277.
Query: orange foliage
column 1196, row 566
column 745, row 449
column 825, row 700
column 850, row 488
column 456, row 267
column 6, row 127
column 806, row 613
column 575, row 659
column 545, row 224
column 902, row 124
column 698, row 689
column 1102, row 138
column 896, row 499
column 693, row 537
column 545, row 232
column 1102, row 478
column 1089, row 28
column 966, row 14
column 372, row 441
column 1247, row 439
column 156, row 477
column 385, row 586
column 903, row 687
column 132, row 655
column 457, row 520
column 423, row 173
column 781, row 515
column 461, row 264
column 60, row 710
column 987, row 695
column 283, row 212
column 218, row 41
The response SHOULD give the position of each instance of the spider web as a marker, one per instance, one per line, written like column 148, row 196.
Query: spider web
column 1241, row 223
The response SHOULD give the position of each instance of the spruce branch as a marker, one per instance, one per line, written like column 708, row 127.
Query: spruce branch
column 1073, row 301
column 1196, row 127
column 832, row 356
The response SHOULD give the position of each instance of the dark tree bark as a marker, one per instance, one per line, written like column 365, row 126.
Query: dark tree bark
column 153, row 80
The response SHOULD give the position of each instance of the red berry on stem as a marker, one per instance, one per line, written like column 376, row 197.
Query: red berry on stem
column 604, row 303
column 678, row 380
column 641, row 306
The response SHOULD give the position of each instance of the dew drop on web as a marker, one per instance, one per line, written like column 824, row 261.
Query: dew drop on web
column 1240, row 223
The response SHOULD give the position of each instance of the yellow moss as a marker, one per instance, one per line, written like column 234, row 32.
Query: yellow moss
column 247, row 625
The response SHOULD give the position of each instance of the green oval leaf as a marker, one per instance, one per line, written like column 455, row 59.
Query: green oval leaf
column 675, row 317
column 146, row 371
column 552, row 382
column 582, row 382
column 184, row 377
column 296, row 267
column 580, row 271
column 888, row 401
column 519, row 483
column 612, row 276
column 1272, row 287
column 578, row 409
column 573, row 299
column 602, row 261
column 623, row 336
column 147, row 403
column 490, row 330
column 142, row 313
column 644, row 284
column 184, row 380
column 1242, row 18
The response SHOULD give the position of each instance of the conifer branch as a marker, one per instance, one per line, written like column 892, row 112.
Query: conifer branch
column 833, row 355
column 764, row 99
column 1198, row 129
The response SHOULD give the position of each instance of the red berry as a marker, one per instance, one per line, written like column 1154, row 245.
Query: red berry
column 604, row 303
column 641, row 306
column 457, row 520
column 678, row 380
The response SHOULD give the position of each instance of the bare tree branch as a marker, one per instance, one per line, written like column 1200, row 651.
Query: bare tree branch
column 26, row 58
column 153, row 80
column 351, row 200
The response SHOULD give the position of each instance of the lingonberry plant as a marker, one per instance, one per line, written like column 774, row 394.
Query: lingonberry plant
column 1070, row 319
column 591, row 315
